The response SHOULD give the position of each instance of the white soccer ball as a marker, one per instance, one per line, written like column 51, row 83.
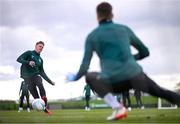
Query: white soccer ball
column 38, row 104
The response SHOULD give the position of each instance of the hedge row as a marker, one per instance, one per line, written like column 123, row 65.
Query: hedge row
column 148, row 101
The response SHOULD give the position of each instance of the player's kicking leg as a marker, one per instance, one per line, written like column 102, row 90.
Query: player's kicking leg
column 119, row 111
column 46, row 110
column 39, row 84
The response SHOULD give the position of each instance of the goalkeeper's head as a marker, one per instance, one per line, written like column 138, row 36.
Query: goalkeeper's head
column 104, row 11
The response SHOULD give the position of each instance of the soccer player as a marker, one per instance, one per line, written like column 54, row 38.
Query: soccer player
column 87, row 91
column 23, row 92
column 126, row 97
column 137, row 94
column 32, row 70
column 119, row 69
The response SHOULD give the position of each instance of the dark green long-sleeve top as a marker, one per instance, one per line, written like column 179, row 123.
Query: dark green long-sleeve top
column 28, row 71
column 24, row 88
column 87, row 90
column 112, row 42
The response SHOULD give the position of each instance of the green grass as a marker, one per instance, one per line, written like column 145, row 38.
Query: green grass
column 95, row 116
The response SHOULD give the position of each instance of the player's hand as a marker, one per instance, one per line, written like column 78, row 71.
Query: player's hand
column 32, row 63
column 70, row 77
column 53, row 83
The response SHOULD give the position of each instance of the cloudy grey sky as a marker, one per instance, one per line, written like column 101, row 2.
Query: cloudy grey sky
column 64, row 24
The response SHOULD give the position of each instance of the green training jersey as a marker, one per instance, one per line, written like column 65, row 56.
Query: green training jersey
column 24, row 88
column 87, row 90
column 28, row 71
column 112, row 42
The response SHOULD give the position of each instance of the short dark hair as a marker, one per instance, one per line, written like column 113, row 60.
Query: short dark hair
column 104, row 10
column 40, row 42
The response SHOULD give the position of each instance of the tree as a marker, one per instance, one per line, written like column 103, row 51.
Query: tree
column 177, row 87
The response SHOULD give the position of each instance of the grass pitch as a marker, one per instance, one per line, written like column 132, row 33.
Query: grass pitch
column 95, row 116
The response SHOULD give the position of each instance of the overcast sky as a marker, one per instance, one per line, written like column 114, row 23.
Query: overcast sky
column 64, row 24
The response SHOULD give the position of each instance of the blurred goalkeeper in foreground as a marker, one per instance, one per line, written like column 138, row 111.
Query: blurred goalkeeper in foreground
column 119, row 69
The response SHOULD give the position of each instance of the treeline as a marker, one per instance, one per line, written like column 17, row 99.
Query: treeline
column 8, row 105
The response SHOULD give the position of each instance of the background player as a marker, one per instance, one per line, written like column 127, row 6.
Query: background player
column 137, row 94
column 126, row 99
column 87, row 91
column 23, row 92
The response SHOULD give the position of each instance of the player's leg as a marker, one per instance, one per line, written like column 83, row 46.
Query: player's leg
column 137, row 101
column 28, row 105
column 87, row 102
column 140, row 100
column 140, row 103
column 38, row 81
column 32, row 87
column 104, row 90
column 124, row 99
column 39, row 84
column 145, row 84
column 137, row 95
column 100, row 87
column 118, row 97
column 21, row 99
column 129, row 101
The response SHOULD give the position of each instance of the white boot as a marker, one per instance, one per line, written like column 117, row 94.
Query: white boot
column 129, row 109
column 20, row 109
column 142, row 107
column 28, row 110
column 118, row 114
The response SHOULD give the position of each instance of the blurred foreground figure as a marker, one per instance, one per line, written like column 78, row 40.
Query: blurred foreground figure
column 119, row 69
